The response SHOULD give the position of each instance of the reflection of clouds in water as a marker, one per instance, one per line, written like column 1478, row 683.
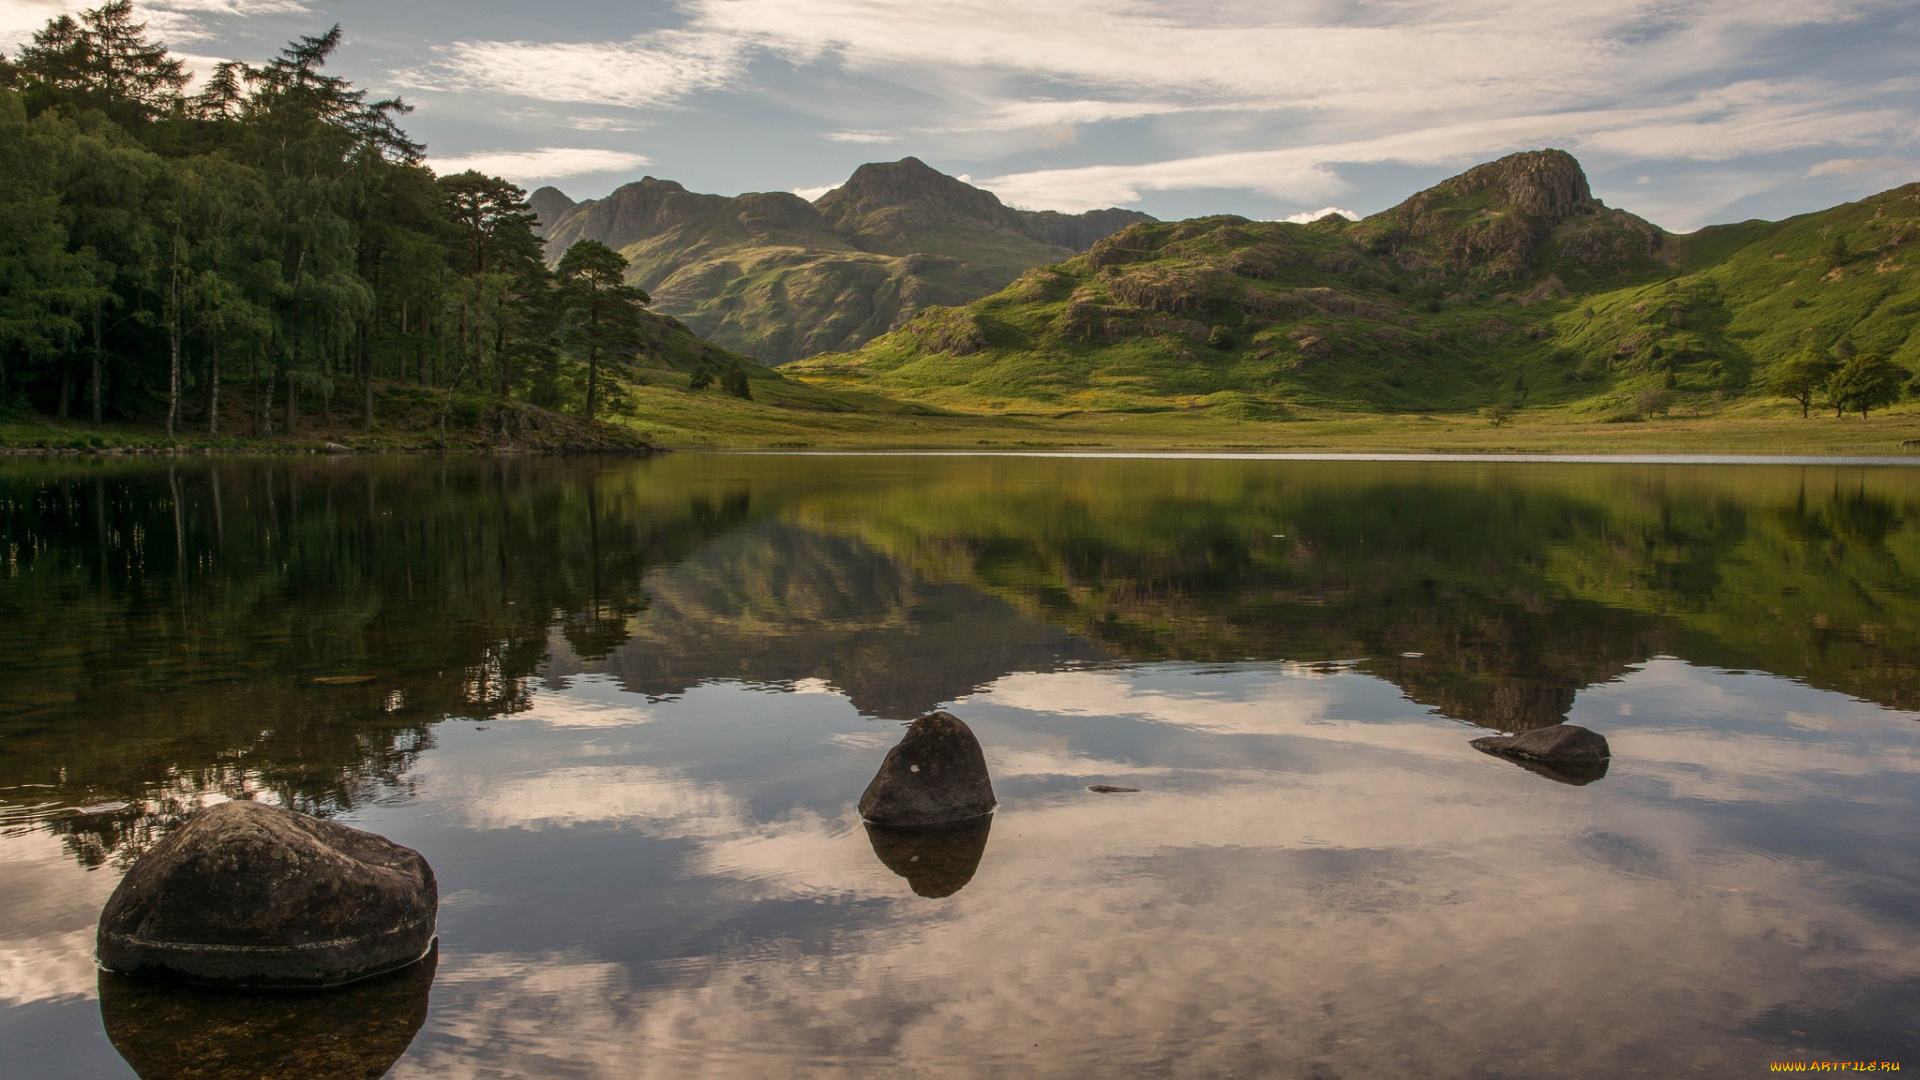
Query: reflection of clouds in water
column 47, row 913
column 1290, row 696
column 1007, row 764
column 47, row 966
column 1712, row 735
column 1404, row 907
column 589, row 702
column 1110, row 937
column 653, row 800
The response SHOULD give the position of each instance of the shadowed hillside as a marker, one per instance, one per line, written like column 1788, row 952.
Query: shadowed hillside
column 771, row 275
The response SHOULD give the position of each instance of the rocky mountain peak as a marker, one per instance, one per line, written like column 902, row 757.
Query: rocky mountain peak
column 908, row 182
column 549, row 205
column 1545, row 184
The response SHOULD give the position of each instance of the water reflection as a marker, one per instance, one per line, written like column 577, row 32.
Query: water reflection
column 167, row 1031
column 936, row 860
column 621, row 706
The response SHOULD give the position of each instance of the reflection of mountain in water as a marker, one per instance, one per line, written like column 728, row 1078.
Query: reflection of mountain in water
column 299, row 627
column 773, row 602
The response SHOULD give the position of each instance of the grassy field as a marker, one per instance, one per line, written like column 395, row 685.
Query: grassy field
column 788, row 414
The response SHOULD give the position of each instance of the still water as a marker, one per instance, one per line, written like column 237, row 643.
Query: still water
column 625, row 709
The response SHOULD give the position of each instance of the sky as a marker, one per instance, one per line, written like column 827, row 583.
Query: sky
column 1686, row 112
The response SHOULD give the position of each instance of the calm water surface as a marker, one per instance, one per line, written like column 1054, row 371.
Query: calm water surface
column 625, row 709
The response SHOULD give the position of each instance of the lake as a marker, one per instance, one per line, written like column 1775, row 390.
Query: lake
column 625, row 708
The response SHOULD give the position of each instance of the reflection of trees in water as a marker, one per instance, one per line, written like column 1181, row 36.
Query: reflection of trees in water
column 294, row 628
column 1517, row 586
column 162, row 628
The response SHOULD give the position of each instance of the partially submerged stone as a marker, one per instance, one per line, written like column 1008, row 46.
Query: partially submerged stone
column 246, row 894
column 936, row 860
column 1566, row 753
column 171, row 1032
column 1561, row 742
column 936, row 774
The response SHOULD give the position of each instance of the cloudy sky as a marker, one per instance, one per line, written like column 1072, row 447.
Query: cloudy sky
column 1687, row 112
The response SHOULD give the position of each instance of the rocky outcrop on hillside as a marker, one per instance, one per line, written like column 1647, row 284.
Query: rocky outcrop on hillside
column 1510, row 219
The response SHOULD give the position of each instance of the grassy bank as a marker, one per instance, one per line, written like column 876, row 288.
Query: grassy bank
column 658, row 408
column 790, row 415
column 408, row 419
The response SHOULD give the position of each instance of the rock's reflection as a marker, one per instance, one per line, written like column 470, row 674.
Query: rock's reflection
column 168, row 1031
column 936, row 860
column 1577, row 773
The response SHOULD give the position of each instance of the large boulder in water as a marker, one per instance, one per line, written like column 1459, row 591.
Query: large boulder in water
column 246, row 894
column 936, row 774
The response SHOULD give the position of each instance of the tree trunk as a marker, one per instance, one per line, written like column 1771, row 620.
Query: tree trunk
column 366, row 381
column 213, row 389
column 95, row 388
column 173, row 339
column 66, row 385
column 292, row 417
column 504, row 344
column 593, row 357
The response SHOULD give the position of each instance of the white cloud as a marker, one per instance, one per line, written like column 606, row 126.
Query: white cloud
column 20, row 19
column 1849, row 166
column 1267, row 98
column 548, row 163
column 812, row 193
column 1307, row 216
column 166, row 20
column 649, row 71
column 1749, row 118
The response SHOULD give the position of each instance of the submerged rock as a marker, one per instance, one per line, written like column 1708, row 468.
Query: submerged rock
column 246, row 894
column 1577, row 773
column 936, row 774
column 936, row 860
column 171, row 1032
column 1561, row 742
column 1564, row 752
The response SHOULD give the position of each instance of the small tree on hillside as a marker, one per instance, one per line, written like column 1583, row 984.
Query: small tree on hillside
column 603, row 310
column 1801, row 379
column 1868, row 381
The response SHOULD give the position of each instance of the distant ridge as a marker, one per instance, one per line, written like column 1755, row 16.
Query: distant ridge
column 1507, row 285
column 778, row 278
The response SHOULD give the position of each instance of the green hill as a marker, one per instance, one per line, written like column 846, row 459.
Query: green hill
column 774, row 276
column 1509, row 284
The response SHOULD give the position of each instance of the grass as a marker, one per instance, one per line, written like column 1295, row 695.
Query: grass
column 791, row 415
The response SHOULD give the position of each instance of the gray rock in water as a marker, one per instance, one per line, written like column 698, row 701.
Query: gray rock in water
column 246, row 894
column 1561, row 743
column 936, row 774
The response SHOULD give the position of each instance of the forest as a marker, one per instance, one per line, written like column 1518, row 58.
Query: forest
column 264, row 247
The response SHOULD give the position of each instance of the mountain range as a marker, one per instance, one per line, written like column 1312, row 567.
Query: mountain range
column 1510, row 284
column 776, row 277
